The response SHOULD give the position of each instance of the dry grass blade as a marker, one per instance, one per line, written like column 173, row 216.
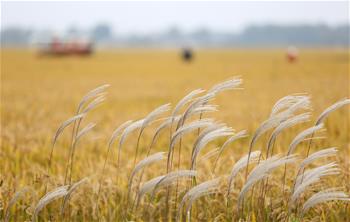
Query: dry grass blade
column 301, row 136
column 262, row 171
column 331, row 109
column 324, row 196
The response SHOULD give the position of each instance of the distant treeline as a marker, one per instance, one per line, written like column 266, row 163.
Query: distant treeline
column 252, row 36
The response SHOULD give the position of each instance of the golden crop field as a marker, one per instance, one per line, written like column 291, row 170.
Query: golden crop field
column 39, row 93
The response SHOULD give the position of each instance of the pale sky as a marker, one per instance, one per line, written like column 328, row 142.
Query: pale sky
column 147, row 17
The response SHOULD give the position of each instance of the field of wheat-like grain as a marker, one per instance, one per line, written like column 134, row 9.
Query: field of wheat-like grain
column 235, row 135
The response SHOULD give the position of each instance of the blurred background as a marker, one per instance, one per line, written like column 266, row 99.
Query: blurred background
column 176, row 24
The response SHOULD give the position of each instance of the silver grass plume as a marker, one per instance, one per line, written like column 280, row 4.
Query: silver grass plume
column 301, row 136
column 48, row 198
column 331, row 109
column 286, row 102
column 64, row 125
column 241, row 163
column 310, row 177
column 188, row 128
column 185, row 100
column 227, row 85
column 84, row 131
column 221, row 132
column 200, row 101
column 71, row 189
column 96, row 102
column 95, row 92
column 196, row 192
column 328, row 152
column 324, row 196
column 129, row 129
column 239, row 135
column 301, row 118
column 118, row 131
column 142, row 164
column 152, row 185
column 262, row 171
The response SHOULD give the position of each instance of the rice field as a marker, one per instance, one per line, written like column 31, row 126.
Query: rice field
column 182, row 161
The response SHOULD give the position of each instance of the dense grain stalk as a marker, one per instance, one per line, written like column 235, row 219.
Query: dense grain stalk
column 194, row 193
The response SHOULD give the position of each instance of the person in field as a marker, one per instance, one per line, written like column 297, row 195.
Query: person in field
column 292, row 54
column 187, row 55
